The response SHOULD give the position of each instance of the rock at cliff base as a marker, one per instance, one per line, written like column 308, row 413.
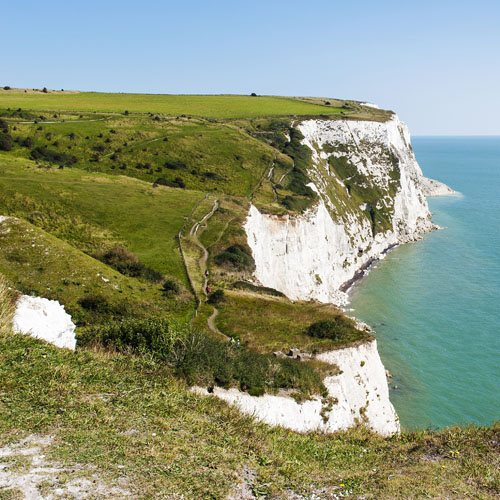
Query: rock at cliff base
column 44, row 319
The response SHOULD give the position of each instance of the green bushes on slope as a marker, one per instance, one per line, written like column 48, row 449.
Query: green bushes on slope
column 237, row 256
column 201, row 359
column 334, row 329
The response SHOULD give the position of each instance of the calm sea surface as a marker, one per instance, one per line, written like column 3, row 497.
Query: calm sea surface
column 435, row 304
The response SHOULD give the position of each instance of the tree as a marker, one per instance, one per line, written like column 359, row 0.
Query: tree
column 44, row 90
column 6, row 87
column 253, row 94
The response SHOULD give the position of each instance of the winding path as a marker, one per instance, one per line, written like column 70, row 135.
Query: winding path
column 193, row 233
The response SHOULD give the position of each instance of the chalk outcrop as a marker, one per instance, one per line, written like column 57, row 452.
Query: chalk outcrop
column 371, row 196
column 44, row 319
column 357, row 395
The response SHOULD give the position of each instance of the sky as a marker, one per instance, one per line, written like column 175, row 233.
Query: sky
column 436, row 63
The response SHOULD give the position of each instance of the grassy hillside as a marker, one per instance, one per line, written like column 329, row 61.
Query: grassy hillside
column 124, row 420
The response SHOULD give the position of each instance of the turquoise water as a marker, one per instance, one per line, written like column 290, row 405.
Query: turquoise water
column 434, row 304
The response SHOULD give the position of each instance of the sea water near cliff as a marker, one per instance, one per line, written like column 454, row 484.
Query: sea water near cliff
column 435, row 304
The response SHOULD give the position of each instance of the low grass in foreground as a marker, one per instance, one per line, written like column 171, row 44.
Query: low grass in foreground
column 130, row 421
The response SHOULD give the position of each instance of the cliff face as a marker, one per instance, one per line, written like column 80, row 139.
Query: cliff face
column 370, row 197
column 358, row 395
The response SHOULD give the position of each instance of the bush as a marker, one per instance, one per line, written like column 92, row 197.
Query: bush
column 175, row 165
column 213, row 176
column 27, row 142
column 4, row 126
column 237, row 256
column 216, row 297
column 201, row 359
column 42, row 153
column 170, row 287
column 6, row 87
column 243, row 285
column 128, row 264
column 96, row 303
column 5, row 142
column 176, row 183
column 44, row 90
column 336, row 329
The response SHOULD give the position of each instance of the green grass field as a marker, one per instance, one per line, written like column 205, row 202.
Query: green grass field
column 213, row 106
column 210, row 106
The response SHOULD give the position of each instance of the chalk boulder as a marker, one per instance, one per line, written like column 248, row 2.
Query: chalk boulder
column 44, row 319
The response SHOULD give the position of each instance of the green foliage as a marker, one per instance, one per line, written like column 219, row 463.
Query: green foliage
column 170, row 287
column 216, row 297
column 52, row 156
column 4, row 126
column 128, row 264
column 5, row 142
column 201, row 359
column 237, row 256
column 334, row 329
column 243, row 285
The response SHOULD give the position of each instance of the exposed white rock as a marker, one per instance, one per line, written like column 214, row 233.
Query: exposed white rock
column 358, row 395
column 310, row 256
column 370, row 105
column 431, row 187
column 44, row 319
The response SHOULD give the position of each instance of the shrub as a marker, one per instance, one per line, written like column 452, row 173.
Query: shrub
column 94, row 302
column 216, row 297
column 213, row 176
column 27, row 142
column 6, row 87
column 170, row 287
column 176, row 183
column 243, row 285
column 42, row 153
column 5, row 142
column 237, row 256
column 175, row 165
column 334, row 329
column 128, row 264
column 44, row 90
column 201, row 359
column 4, row 126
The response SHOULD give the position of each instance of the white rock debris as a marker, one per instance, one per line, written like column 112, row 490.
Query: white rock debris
column 44, row 319
column 41, row 479
column 370, row 105
column 431, row 187
column 358, row 395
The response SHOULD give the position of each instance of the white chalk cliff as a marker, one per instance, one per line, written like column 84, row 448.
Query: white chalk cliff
column 357, row 395
column 311, row 255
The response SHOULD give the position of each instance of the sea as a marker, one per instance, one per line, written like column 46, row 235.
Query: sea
column 435, row 303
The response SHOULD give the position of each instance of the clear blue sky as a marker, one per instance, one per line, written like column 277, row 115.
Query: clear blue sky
column 436, row 63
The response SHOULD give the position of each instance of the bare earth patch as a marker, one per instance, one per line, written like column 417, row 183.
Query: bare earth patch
column 28, row 475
